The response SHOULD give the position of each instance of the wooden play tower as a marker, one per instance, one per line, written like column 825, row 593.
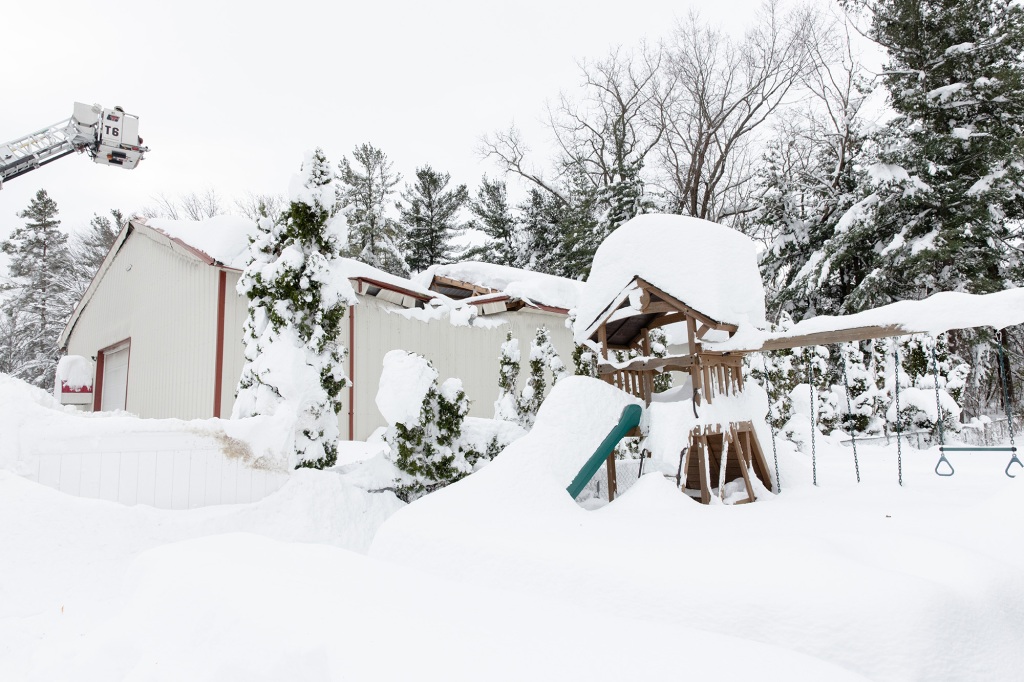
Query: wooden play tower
column 716, row 453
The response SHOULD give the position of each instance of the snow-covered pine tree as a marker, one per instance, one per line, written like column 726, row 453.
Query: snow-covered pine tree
column 89, row 248
column 506, row 406
column 543, row 358
column 543, row 249
column 425, row 421
column 297, row 299
column 950, row 166
column 659, row 349
column 367, row 185
column 584, row 358
column 39, row 298
column 429, row 216
column 493, row 216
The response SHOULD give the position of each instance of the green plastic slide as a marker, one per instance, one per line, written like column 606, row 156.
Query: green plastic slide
column 629, row 420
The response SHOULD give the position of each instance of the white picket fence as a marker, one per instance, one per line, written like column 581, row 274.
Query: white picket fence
column 166, row 479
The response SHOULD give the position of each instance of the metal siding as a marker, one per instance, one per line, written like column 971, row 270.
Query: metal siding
column 469, row 353
column 167, row 304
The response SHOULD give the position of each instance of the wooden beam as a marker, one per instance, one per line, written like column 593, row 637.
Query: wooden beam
column 679, row 363
column 670, row 318
column 682, row 307
column 826, row 337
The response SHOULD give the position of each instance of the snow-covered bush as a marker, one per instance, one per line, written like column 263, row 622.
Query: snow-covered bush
column 425, row 424
column 522, row 407
column 506, row 407
column 293, row 365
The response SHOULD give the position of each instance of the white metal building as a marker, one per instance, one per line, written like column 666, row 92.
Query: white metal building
column 163, row 322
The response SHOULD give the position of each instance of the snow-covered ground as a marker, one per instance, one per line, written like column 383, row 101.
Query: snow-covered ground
column 502, row 576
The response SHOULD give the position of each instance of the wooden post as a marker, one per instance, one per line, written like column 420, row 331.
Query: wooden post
column 602, row 335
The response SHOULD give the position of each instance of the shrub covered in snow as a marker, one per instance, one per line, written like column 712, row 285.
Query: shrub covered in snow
column 522, row 407
column 293, row 363
column 425, row 426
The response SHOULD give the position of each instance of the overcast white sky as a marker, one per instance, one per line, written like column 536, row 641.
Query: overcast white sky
column 230, row 94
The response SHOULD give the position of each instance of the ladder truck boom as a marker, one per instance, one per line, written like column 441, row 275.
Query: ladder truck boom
column 108, row 136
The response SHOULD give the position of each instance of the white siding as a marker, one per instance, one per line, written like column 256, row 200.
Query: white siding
column 166, row 303
column 469, row 353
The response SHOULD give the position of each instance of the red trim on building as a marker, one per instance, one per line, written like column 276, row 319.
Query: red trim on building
column 218, row 376
column 97, row 395
column 351, row 372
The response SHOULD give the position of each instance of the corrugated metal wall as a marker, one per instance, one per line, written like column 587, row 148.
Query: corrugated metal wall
column 469, row 353
column 166, row 303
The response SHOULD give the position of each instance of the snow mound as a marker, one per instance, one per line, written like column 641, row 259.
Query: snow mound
column 707, row 266
column 404, row 383
column 74, row 371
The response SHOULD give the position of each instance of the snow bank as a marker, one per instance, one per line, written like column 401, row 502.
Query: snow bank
column 707, row 266
column 244, row 607
column 936, row 314
column 867, row 578
column 33, row 424
column 534, row 287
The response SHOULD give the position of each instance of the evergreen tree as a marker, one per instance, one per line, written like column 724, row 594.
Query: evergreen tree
column 951, row 164
column 543, row 358
column 506, row 407
column 89, row 248
column 296, row 304
column 493, row 216
column 365, row 195
column 543, row 247
column 429, row 217
column 40, row 300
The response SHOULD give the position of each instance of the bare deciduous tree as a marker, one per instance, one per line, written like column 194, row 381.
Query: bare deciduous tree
column 723, row 90
column 256, row 206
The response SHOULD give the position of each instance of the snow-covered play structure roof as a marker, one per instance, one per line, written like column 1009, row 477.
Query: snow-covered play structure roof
column 704, row 266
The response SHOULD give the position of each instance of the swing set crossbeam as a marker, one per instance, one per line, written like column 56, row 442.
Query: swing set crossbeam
column 943, row 448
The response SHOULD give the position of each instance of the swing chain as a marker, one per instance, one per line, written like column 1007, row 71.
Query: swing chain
column 1003, row 366
column 938, row 404
column 771, row 427
column 849, row 411
column 899, row 431
column 810, row 381
column 1003, row 369
column 938, row 415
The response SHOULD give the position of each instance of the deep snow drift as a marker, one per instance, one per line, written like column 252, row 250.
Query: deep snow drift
column 502, row 576
column 893, row 583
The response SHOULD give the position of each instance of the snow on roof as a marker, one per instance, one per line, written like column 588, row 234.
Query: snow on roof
column 225, row 238
column 705, row 265
column 534, row 287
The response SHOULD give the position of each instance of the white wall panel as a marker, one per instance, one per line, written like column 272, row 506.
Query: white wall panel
column 166, row 302
column 469, row 353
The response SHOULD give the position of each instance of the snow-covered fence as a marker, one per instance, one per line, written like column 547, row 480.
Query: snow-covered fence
column 167, row 479
column 626, row 474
